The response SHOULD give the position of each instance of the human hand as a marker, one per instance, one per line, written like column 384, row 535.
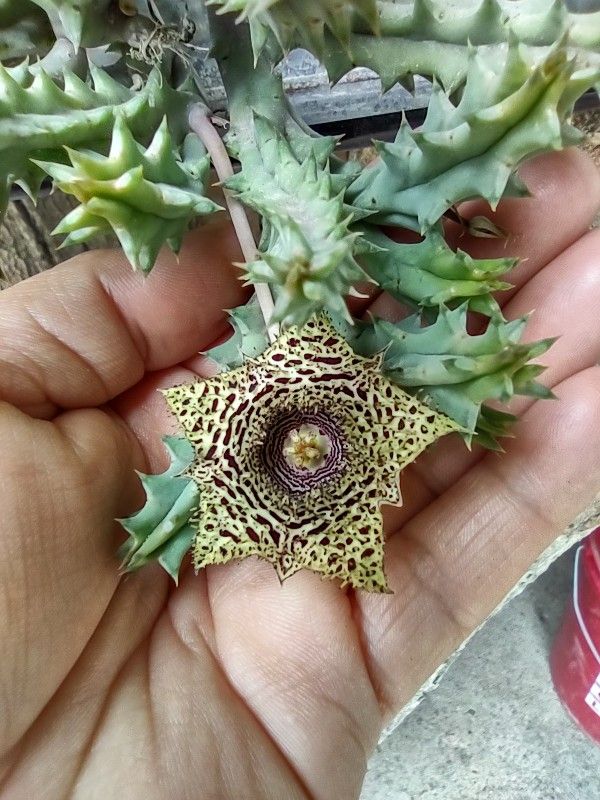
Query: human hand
column 233, row 686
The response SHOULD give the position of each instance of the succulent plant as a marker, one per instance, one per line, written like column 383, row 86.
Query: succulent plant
column 308, row 398
column 248, row 341
column 24, row 30
column 429, row 274
column 434, row 38
column 147, row 196
column 451, row 369
column 38, row 116
column 507, row 112
column 78, row 20
column 302, row 23
column 307, row 251
column 161, row 530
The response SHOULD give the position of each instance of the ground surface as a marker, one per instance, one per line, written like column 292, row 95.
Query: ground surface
column 494, row 729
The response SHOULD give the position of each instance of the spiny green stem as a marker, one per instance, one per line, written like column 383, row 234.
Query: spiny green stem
column 486, row 22
column 60, row 57
column 201, row 125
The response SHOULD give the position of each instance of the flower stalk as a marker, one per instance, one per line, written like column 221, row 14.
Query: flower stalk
column 202, row 126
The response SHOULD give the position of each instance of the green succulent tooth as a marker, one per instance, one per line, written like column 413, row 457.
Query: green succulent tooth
column 79, row 225
column 83, row 22
column 38, row 116
column 481, row 22
column 146, row 196
column 506, row 114
column 307, row 251
column 435, row 38
column 302, row 23
column 493, row 425
column 429, row 273
column 160, row 531
column 249, row 339
column 70, row 16
column 454, row 371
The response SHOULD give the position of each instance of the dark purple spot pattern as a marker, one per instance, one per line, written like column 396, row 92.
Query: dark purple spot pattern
column 255, row 502
column 271, row 455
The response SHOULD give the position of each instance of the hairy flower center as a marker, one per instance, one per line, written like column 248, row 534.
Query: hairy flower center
column 306, row 447
column 302, row 449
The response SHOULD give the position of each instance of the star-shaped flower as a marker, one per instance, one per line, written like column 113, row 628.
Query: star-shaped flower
column 296, row 451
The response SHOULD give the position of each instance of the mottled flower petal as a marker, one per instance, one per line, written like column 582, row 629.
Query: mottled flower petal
column 296, row 451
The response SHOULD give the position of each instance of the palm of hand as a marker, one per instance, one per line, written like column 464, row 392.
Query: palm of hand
column 233, row 686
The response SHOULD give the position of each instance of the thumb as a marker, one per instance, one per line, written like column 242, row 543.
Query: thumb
column 62, row 484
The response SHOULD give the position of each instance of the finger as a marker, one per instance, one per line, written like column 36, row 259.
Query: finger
column 293, row 654
column 58, row 569
column 565, row 198
column 84, row 332
column 455, row 561
column 144, row 410
column 564, row 298
column 71, row 723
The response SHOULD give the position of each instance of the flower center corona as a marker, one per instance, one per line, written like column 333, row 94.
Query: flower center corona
column 302, row 449
column 306, row 447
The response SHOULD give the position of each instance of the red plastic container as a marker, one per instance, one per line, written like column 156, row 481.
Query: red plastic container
column 575, row 657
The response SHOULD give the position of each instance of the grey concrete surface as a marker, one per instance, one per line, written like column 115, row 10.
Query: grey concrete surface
column 494, row 728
